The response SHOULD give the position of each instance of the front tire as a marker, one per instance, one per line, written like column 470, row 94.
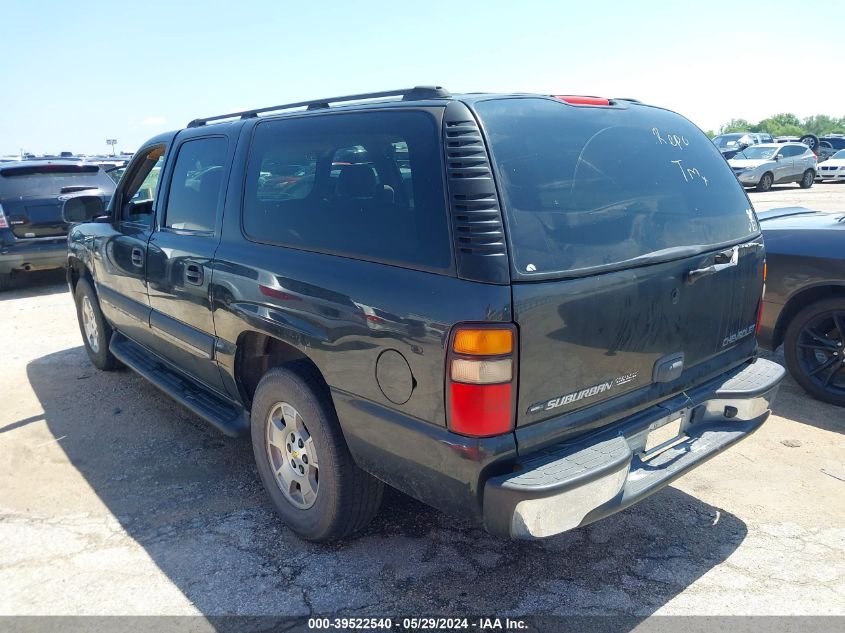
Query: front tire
column 96, row 331
column 303, row 459
column 813, row 347
column 807, row 179
column 766, row 181
column 5, row 281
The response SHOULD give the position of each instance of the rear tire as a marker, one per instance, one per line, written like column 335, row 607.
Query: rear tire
column 810, row 140
column 807, row 180
column 5, row 281
column 766, row 181
column 303, row 460
column 813, row 348
column 96, row 331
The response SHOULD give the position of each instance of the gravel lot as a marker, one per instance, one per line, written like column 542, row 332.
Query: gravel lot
column 115, row 500
column 826, row 196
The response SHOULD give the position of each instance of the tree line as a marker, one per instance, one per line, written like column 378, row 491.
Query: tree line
column 787, row 124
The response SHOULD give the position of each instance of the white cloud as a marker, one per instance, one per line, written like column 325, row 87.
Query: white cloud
column 152, row 121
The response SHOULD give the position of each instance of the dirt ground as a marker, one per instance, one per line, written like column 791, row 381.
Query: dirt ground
column 116, row 500
column 826, row 196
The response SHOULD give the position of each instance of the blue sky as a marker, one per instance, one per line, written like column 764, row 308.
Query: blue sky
column 73, row 74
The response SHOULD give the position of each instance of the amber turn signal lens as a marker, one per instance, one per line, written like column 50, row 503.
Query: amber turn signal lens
column 483, row 342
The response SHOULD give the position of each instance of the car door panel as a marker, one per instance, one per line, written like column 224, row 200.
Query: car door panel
column 783, row 167
column 181, row 313
column 181, row 250
column 121, row 250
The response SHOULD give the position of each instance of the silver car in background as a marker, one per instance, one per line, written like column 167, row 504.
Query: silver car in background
column 763, row 165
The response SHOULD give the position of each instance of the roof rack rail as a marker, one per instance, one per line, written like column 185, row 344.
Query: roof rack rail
column 407, row 94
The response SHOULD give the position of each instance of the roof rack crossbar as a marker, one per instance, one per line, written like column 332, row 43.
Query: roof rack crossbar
column 417, row 92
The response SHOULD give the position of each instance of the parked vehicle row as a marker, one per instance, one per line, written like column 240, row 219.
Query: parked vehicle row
column 339, row 283
column 823, row 147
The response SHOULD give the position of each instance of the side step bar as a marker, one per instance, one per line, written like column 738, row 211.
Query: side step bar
column 223, row 414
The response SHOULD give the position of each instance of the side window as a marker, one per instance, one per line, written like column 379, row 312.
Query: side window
column 196, row 185
column 139, row 193
column 280, row 179
column 364, row 185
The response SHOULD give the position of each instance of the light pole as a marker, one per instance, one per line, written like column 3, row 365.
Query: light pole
column 112, row 142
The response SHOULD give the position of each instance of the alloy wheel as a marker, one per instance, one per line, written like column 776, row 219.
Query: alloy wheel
column 808, row 179
column 89, row 325
column 821, row 344
column 292, row 455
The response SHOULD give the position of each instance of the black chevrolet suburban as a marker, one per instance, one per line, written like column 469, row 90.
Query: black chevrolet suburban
column 529, row 311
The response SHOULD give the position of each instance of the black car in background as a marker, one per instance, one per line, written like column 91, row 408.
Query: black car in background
column 804, row 305
column 836, row 141
column 33, row 235
column 734, row 142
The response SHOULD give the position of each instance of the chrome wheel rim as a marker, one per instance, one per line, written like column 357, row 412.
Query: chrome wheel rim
column 821, row 345
column 89, row 325
column 292, row 455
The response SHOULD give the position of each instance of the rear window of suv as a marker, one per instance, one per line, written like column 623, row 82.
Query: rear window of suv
column 29, row 180
column 604, row 188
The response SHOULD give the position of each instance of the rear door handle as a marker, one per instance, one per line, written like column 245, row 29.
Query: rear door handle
column 137, row 257
column 723, row 260
column 193, row 274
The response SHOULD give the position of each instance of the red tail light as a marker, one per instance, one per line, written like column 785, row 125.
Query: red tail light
column 762, row 297
column 481, row 379
column 579, row 100
column 4, row 224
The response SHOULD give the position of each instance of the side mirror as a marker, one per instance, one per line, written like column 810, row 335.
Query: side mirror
column 777, row 157
column 82, row 209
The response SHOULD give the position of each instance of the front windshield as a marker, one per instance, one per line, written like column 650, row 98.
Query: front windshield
column 839, row 154
column 727, row 140
column 757, row 153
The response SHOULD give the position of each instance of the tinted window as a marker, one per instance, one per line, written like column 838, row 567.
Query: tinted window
column 588, row 187
column 196, row 185
column 366, row 185
column 31, row 180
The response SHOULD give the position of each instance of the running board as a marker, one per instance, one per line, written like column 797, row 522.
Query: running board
column 224, row 415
